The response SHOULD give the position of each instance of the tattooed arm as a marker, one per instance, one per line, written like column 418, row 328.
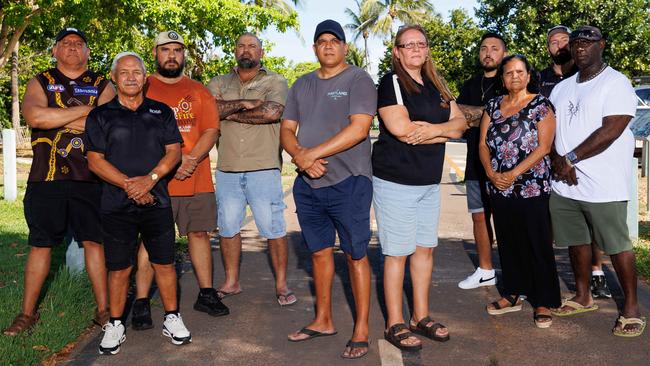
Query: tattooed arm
column 267, row 112
column 472, row 114
column 229, row 107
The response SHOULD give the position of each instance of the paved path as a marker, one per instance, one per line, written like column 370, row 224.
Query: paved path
column 255, row 332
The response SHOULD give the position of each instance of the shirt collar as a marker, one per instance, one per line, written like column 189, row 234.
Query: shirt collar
column 115, row 104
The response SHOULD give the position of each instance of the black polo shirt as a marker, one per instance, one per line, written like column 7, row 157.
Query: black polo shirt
column 477, row 91
column 134, row 142
column 399, row 162
column 548, row 79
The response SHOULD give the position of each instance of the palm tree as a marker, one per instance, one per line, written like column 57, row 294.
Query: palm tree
column 362, row 22
column 406, row 11
column 281, row 5
column 355, row 57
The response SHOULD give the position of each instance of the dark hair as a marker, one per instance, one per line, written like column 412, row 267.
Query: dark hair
column 494, row 35
column 533, row 84
column 428, row 69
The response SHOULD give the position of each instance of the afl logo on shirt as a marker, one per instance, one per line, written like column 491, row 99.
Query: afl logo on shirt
column 56, row 88
column 85, row 90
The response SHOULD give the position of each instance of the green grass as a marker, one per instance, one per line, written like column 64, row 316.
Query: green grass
column 66, row 306
column 642, row 250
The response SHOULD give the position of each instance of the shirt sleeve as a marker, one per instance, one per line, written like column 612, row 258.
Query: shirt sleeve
column 277, row 90
column 621, row 98
column 94, row 135
column 215, row 87
column 386, row 92
column 171, row 134
column 209, row 112
column 291, row 106
column 363, row 95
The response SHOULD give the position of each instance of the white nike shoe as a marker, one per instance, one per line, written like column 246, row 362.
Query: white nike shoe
column 174, row 328
column 480, row 277
column 114, row 336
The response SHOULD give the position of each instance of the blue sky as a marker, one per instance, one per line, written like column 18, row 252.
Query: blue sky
column 312, row 12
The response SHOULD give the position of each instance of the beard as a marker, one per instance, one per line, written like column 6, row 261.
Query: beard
column 247, row 63
column 170, row 73
column 488, row 68
column 562, row 57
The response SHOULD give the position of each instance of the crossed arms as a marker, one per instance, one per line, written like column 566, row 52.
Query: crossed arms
column 250, row 111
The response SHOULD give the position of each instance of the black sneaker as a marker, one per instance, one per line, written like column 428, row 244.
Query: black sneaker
column 211, row 304
column 599, row 288
column 141, row 315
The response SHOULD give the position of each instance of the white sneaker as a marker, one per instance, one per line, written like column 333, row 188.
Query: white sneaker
column 480, row 277
column 174, row 328
column 114, row 336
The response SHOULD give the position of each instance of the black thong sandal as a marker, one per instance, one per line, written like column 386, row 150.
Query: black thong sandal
column 396, row 339
column 354, row 345
column 429, row 332
column 312, row 334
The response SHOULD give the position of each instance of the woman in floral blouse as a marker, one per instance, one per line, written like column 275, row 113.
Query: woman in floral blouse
column 517, row 132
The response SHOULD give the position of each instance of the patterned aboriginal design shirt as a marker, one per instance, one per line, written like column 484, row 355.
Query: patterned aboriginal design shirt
column 510, row 141
column 59, row 152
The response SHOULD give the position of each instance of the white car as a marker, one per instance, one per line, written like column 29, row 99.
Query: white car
column 643, row 96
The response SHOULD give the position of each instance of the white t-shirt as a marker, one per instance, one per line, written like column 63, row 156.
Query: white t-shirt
column 580, row 108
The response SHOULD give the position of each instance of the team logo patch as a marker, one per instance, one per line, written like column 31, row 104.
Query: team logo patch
column 85, row 90
column 87, row 79
column 77, row 143
column 155, row 111
column 56, row 88
column 172, row 35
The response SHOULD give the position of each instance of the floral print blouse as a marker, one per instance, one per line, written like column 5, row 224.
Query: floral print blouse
column 510, row 140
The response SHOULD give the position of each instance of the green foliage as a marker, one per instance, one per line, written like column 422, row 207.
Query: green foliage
column 355, row 56
column 386, row 13
column 292, row 71
column 525, row 23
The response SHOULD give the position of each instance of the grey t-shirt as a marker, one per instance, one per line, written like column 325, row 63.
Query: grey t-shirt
column 322, row 108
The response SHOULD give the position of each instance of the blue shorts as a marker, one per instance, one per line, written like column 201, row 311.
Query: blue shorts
column 477, row 197
column 407, row 216
column 343, row 208
column 262, row 190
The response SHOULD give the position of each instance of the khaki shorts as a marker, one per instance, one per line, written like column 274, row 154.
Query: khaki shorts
column 196, row 213
column 579, row 223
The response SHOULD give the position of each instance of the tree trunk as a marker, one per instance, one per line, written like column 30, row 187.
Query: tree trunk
column 365, row 52
column 15, row 106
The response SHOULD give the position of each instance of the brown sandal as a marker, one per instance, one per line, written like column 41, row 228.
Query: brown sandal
column 21, row 323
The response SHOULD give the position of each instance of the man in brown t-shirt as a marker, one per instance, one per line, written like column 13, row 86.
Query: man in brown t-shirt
column 251, row 101
column 61, row 192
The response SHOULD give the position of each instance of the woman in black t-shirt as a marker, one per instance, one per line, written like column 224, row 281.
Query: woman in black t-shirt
column 407, row 164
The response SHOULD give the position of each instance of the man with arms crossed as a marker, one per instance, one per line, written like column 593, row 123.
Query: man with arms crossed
column 191, row 189
column 474, row 94
column 334, row 107
column 592, row 164
column 133, row 144
column 61, row 192
column 250, row 101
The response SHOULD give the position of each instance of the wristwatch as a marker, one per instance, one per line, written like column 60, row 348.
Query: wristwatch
column 571, row 157
column 154, row 177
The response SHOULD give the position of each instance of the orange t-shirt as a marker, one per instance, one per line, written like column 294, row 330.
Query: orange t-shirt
column 195, row 110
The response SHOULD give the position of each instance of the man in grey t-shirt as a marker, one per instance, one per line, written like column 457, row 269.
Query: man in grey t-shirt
column 334, row 107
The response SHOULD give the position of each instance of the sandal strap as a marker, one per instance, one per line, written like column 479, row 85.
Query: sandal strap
column 392, row 332
column 21, row 322
column 422, row 324
column 542, row 316
column 397, row 327
column 629, row 321
column 360, row 344
column 512, row 299
column 496, row 305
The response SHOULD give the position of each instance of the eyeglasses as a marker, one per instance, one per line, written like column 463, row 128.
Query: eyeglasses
column 412, row 45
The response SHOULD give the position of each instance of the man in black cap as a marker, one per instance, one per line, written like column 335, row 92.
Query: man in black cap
column 61, row 192
column 334, row 107
column 592, row 165
column 561, row 68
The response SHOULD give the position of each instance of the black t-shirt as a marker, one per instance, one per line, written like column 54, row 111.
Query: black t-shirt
column 133, row 142
column 399, row 162
column 548, row 79
column 477, row 91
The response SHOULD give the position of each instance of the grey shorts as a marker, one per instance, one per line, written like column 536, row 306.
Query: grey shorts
column 579, row 223
column 195, row 213
column 477, row 199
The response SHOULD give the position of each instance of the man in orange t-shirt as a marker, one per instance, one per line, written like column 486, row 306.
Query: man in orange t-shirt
column 191, row 190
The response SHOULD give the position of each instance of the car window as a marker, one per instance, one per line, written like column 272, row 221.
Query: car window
column 644, row 96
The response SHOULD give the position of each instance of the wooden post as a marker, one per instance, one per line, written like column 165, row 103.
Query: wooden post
column 15, row 103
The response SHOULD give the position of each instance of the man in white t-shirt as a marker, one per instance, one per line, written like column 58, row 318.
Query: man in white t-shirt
column 592, row 163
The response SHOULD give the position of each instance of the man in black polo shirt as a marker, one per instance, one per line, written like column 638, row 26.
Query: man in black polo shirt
column 133, row 144
column 562, row 66
column 474, row 94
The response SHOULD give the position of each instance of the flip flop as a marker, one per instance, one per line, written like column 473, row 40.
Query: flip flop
column 620, row 331
column 352, row 346
column 285, row 297
column 312, row 334
column 223, row 294
column 576, row 308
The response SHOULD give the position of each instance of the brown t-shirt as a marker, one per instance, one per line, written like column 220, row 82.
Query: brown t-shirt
column 59, row 152
column 195, row 111
column 243, row 147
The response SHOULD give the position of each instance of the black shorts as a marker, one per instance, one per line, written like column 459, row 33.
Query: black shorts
column 53, row 208
column 121, row 231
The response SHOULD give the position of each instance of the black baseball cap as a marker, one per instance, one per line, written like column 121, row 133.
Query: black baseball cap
column 67, row 31
column 588, row 32
column 329, row 26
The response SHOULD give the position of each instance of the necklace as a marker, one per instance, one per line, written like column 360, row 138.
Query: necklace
column 486, row 90
column 592, row 76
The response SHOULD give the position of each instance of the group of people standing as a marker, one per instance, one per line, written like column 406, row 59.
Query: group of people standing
column 148, row 143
